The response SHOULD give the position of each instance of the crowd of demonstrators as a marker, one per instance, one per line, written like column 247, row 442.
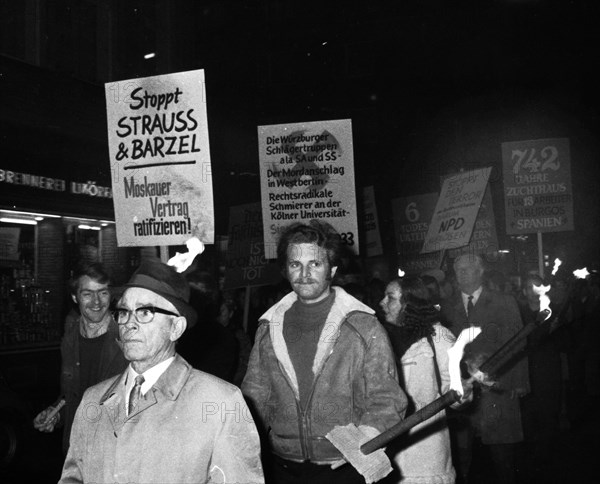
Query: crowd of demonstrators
column 320, row 360
column 518, row 414
column 328, row 354
column 90, row 350
column 420, row 345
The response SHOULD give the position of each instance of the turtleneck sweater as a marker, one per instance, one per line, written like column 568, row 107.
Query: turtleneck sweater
column 302, row 327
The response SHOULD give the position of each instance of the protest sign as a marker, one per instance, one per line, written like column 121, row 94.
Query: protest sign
column 411, row 217
column 484, row 239
column 245, row 259
column 537, row 186
column 456, row 210
column 372, row 235
column 160, row 160
column 307, row 172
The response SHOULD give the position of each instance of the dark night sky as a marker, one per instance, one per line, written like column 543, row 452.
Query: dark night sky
column 431, row 86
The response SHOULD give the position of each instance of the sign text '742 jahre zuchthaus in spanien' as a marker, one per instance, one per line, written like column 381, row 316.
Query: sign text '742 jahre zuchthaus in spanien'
column 160, row 160
column 537, row 186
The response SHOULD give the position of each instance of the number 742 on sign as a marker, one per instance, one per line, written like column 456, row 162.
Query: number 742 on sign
column 527, row 159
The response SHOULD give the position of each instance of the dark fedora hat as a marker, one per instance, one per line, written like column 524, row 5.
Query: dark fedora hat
column 165, row 281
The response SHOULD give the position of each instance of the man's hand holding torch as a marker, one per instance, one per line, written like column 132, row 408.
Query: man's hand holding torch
column 367, row 456
column 357, row 453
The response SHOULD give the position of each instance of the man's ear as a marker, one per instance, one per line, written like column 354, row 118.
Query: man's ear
column 333, row 271
column 74, row 298
column 178, row 327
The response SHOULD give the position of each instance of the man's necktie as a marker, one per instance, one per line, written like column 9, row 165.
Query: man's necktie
column 469, row 306
column 134, row 396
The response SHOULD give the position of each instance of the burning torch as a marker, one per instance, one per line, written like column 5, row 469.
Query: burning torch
column 181, row 261
column 581, row 273
column 368, row 457
column 557, row 264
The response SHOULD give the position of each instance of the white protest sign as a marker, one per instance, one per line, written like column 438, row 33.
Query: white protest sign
column 160, row 160
column 307, row 172
column 484, row 239
column 456, row 210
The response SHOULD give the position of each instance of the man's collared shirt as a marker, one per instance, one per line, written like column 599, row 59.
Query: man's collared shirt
column 465, row 298
column 150, row 377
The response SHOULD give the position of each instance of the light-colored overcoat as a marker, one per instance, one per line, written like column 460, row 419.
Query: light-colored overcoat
column 426, row 457
column 191, row 427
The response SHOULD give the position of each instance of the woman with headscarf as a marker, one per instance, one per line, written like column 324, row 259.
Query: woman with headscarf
column 420, row 345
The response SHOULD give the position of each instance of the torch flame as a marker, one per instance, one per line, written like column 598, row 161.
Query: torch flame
column 581, row 273
column 544, row 300
column 455, row 354
column 401, row 273
column 182, row 261
column 557, row 263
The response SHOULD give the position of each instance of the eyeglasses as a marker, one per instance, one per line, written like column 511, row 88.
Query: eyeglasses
column 143, row 315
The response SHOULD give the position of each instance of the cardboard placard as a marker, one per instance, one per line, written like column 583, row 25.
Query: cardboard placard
column 307, row 172
column 160, row 160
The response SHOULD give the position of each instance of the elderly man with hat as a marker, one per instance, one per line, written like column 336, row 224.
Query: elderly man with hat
column 161, row 421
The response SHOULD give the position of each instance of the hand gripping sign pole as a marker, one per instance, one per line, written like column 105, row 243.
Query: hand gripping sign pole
column 358, row 450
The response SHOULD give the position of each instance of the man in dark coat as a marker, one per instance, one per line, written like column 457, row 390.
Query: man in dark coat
column 494, row 418
column 89, row 348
